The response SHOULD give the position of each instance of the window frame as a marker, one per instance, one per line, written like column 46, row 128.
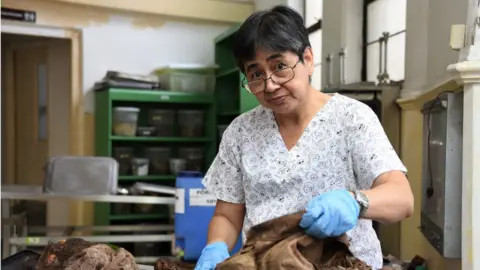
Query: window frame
column 317, row 26
column 314, row 27
column 366, row 43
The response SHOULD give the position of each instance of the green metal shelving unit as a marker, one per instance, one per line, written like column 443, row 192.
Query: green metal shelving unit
column 231, row 98
column 107, row 99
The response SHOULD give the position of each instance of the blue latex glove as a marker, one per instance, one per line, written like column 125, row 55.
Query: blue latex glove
column 212, row 255
column 331, row 214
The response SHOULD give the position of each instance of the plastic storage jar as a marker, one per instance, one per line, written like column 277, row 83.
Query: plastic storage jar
column 159, row 159
column 124, row 156
column 191, row 123
column 177, row 165
column 125, row 121
column 163, row 121
column 194, row 157
column 140, row 166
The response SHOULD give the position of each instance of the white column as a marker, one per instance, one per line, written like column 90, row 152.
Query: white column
column 467, row 73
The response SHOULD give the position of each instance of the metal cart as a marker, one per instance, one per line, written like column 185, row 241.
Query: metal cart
column 13, row 237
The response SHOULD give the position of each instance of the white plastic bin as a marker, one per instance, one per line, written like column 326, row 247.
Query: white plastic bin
column 188, row 78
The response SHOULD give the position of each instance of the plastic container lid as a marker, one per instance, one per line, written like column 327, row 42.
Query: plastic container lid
column 162, row 111
column 124, row 148
column 191, row 148
column 178, row 160
column 189, row 66
column 191, row 152
column 127, row 109
column 140, row 160
column 158, row 148
column 191, row 112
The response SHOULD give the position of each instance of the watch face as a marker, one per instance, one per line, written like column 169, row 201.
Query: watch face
column 362, row 199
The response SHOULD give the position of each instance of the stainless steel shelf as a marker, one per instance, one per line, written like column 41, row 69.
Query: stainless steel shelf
column 11, row 240
column 33, row 193
column 44, row 240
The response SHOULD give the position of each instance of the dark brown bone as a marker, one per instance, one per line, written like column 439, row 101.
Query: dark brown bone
column 78, row 254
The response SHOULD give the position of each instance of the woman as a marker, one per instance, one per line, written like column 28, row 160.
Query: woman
column 300, row 149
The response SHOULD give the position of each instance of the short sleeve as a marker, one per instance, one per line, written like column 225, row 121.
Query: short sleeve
column 224, row 177
column 372, row 153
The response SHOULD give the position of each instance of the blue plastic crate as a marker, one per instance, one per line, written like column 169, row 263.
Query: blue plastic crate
column 194, row 209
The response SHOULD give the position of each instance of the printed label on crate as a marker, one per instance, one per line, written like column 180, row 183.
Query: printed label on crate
column 180, row 201
column 202, row 197
column 33, row 240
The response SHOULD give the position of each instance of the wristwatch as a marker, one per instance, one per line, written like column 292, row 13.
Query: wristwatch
column 362, row 200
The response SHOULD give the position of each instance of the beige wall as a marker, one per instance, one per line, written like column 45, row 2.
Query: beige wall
column 59, row 116
column 210, row 10
column 412, row 240
column 89, row 143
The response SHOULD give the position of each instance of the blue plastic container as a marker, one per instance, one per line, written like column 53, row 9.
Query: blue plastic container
column 194, row 209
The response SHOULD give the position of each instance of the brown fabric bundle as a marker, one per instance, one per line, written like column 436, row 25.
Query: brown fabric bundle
column 78, row 254
column 281, row 244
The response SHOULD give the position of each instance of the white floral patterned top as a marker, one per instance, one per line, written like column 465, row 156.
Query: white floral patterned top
column 343, row 147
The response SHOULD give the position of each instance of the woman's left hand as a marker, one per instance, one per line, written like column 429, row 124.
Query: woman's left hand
column 331, row 214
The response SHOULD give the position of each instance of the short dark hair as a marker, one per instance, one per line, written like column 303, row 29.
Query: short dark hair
column 279, row 29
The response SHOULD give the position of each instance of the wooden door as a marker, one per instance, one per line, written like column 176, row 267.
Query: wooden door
column 29, row 112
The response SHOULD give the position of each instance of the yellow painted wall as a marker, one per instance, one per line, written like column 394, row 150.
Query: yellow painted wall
column 89, row 143
column 412, row 240
column 212, row 10
column 147, row 10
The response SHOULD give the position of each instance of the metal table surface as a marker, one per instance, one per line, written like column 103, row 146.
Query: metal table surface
column 35, row 193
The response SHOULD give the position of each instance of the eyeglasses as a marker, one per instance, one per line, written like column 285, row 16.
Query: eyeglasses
column 279, row 77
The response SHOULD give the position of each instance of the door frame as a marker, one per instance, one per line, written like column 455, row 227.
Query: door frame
column 76, row 125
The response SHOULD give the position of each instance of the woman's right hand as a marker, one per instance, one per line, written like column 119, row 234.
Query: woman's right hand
column 212, row 255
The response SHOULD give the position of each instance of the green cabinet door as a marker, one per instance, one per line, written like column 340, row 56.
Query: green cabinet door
column 247, row 101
